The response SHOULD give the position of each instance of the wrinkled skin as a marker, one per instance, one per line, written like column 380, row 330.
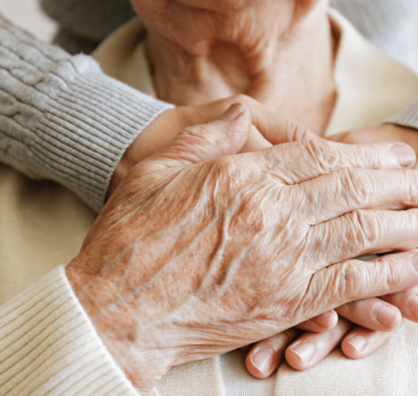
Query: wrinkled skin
column 195, row 255
column 268, row 128
column 325, row 331
column 378, row 318
column 279, row 52
column 201, row 50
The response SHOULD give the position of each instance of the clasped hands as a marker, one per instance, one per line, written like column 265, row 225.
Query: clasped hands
column 199, row 252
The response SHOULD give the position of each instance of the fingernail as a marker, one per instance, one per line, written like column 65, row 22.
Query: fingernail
column 324, row 320
column 404, row 154
column 232, row 113
column 385, row 314
column 413, row 305
column 263, row 360
column 415, row 262
column 305, row 351
column 358, row 342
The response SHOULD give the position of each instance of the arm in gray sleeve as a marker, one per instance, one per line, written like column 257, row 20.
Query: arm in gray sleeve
column 62, row 119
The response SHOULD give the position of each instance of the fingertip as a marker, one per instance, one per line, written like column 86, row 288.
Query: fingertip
column 389, row 317
column 261, row 363
column 233, row 112
column 321, row 323
column 300, row 354
column 352, row 347
column 327, row 321
column 413, row 308
column 361, row 342
column 403, row 155
column 236, row 123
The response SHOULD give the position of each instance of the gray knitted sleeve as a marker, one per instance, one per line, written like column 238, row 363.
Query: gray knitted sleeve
column 62, row 119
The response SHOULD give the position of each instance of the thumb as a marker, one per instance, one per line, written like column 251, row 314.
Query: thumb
column 225, row 136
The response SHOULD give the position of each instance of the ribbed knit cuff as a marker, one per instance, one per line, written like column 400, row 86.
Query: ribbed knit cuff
column 407, row 118
column 49, row 346
column 88, row 123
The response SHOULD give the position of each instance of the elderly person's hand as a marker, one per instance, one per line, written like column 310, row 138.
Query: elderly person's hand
column 196, row 255
column 169, row 124
column 379, row 133
column 377, row 319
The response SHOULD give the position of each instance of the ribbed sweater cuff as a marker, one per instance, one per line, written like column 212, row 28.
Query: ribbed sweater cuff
column 49, row 346
column 407, row 118
column 88, row 123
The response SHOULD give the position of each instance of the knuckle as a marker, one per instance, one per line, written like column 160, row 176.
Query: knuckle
column 325, row 155
column 295, row 132
column 352, row 281
column 356, row 185
column 392, row 270
column 394, row 276
column 410, row 185
column 250, row 218
column 364, row 229
column 225, row 169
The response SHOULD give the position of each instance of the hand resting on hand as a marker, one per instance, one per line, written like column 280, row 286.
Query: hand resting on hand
column 198, row 252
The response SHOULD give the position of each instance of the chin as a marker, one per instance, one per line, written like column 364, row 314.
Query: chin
column 223, row 5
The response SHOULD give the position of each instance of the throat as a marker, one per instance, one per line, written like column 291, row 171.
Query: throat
column 290, row 76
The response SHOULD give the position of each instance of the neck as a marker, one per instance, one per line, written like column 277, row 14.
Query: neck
column 279, row 54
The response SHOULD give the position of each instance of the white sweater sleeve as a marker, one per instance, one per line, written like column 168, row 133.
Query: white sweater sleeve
column 48, row 345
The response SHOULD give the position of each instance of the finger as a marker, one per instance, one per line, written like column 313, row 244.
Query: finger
column 301, row 161
column 289, row 132
column 378, row 133
column 311, row 348
column 265, row 356
column 373, row 314
column 276, row 129
column 321, row 323
column 346, row 190
column 406, row 302
column 273, row 128
column 201, row 143
column 362, row 232
column 361, row 342
column 362, row 136
column 259, row 367
column 354, row 280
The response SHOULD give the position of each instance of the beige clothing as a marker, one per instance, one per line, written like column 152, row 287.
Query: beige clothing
column 47, row 343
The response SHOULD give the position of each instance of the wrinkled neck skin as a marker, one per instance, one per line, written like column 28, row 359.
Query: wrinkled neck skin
column 280, row 52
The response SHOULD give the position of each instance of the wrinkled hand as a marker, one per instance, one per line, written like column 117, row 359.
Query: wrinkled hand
column 168, row 125
column 197, row 254
column 376, row 319
column 379, row 133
